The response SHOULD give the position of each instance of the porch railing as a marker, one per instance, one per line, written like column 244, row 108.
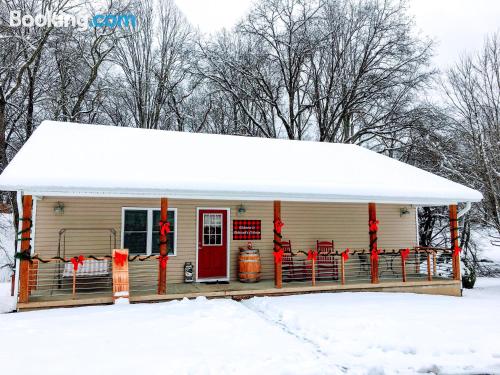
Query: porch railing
column 420, row 264
column 55, row 277
column 92, row 277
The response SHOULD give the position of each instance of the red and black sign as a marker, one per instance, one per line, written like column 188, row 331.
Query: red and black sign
column 246, row 229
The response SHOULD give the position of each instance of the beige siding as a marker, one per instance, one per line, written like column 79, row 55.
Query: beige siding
column 305, row 223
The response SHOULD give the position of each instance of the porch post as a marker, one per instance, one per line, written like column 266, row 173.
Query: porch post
column 277, row 245
column 25, row 248
column 454, row 241
column 372, row 219
column 162, row 270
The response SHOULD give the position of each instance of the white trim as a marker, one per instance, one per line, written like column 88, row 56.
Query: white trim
column 33, row 226
column 228, row 244
column 236, row 195
column 417, row 225
column 149, row 228
column 18, row 247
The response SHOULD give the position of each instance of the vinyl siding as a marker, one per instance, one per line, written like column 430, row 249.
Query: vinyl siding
column 305, row 223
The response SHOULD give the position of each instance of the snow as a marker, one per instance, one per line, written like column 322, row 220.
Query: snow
column 7, row 238
column 7, row 303
column 342, row 333
column 488, row 244
column 68, row 158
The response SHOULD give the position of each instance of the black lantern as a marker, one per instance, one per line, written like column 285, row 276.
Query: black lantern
column 188, row 272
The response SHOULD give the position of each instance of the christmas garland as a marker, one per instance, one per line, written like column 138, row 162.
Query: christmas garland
column 278, row 249
column 164, row 231
column 25, row 230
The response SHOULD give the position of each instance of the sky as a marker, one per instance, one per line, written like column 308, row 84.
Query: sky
column 457, row 26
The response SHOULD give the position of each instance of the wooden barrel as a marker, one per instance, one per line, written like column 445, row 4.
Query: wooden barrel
column 249, row 266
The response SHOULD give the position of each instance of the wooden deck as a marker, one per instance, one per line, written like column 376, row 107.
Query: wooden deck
column 237, row 290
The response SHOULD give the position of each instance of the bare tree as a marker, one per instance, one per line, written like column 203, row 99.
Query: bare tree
column 367, row 72
column 153, row 62
column 473, row 90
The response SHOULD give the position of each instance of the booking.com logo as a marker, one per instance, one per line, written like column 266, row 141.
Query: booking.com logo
column 49, row 18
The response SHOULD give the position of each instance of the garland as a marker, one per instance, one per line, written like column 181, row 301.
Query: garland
column 30, row 258
column 372, row 229
column 25, row 230
column 164, row 230
column 278, row 250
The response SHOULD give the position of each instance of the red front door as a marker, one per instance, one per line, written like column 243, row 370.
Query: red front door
column 212, row 244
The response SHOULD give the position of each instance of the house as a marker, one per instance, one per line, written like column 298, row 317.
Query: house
column 324, row 217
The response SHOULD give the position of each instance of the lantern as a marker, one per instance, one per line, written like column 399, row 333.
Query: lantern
column 188, row 272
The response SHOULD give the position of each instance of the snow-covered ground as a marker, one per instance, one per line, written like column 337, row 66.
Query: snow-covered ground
column 7, row 237
column 353, row 333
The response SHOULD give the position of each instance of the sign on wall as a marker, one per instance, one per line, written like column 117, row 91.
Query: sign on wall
column 246, row 229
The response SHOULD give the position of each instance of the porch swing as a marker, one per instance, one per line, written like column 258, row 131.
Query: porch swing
column 93, row 273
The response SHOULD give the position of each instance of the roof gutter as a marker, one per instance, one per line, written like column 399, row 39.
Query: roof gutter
column 464, row 210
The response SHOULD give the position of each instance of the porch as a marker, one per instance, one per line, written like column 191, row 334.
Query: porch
column 423, row 270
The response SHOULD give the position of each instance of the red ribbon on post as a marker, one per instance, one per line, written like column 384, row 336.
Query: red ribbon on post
column 120, row 259
column 374, row 254
column 164, row 227
column 373, row 225
column 404, row 253
column 278, row 224
column 312, row 255
column 278, row 256
column 345, row 255
column 77, row 261
column 163, row 259
column 456, row 250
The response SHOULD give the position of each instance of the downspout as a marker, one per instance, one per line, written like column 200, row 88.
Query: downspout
column 464, row 210
column 18, row 245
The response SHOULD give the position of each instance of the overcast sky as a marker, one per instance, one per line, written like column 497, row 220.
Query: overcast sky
column 456, row 25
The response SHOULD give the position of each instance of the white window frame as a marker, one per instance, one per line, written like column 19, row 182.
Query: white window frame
column 149, row 239
column 222, row 227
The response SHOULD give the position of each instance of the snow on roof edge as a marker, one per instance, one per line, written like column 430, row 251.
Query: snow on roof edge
column 102, row 190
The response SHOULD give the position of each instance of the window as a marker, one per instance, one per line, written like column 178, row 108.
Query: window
column 141, row 232
column 212, row 229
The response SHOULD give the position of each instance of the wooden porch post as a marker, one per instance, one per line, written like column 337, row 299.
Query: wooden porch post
column 162, row 271
column 372, row 218
column 25, row 239
column 454, row 241
column 277, row 245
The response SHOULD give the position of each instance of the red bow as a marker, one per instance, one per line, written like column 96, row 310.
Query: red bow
column 164, row 227
column 312, row 255
column 373, row 225
column 456, row 251
column 374, row 254
column 120, row 259
column 163, row 259
column 278, row 256
column 345, row 255
column 404, row 253
column 278, row 224
column 77, row 261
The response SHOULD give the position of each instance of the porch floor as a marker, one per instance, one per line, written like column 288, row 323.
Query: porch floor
column 238, row 290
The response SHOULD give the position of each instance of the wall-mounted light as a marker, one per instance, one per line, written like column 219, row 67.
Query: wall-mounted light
column 59, row 208
column 241, row 209
column 404, row 211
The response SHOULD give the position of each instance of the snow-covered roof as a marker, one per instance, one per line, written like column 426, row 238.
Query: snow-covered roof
column 95, row 160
